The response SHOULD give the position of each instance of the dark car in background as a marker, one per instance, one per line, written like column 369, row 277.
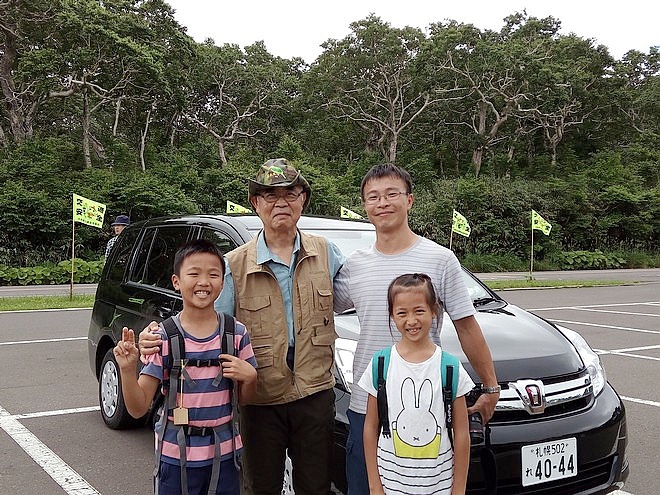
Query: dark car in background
column 559, row 427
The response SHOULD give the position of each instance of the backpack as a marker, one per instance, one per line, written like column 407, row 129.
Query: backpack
column 449, row 374
column 177, row 367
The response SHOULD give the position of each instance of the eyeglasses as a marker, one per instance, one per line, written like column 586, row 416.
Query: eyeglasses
column 374, row 198
column 289, row 196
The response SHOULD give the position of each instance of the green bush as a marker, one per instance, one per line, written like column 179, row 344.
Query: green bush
column 84, row 272
column 487, row 263
column 587, row 260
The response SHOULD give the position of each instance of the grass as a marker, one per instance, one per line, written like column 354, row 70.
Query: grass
column 526, row 284
column 46, row 302
column 87, row 301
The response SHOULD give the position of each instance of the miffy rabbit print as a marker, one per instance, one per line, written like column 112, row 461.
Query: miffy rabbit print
column 416, row 431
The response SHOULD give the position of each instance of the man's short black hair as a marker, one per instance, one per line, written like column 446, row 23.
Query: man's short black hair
column 386, row 170
column 194, row 247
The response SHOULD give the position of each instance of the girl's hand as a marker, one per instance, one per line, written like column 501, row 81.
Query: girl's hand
column 237, row 369
column 125, row 352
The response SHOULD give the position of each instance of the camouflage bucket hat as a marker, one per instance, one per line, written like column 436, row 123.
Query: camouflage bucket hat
column 278, row 172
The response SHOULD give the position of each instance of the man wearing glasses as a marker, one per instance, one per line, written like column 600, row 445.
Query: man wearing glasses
column 363, row 281
column 279, row 285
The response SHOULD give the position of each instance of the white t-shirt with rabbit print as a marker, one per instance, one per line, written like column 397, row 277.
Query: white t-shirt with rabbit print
column 417, row 458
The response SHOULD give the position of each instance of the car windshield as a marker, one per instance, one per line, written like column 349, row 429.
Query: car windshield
column 348, row 240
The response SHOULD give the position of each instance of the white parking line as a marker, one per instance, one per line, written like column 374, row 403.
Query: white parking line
column 50, row 462
column 641, row 401
column 593, row 310
column 60, row 412
column 41, row 341
column 609, row 305
column 628, row 329
column 627, row 354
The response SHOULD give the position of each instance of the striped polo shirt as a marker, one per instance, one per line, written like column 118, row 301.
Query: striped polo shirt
column 207, row 404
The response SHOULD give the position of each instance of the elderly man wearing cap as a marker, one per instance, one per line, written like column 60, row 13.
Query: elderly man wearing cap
column 279, row 285
column 120, row 223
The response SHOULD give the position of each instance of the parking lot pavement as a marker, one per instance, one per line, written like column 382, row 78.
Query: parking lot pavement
column 52, row 438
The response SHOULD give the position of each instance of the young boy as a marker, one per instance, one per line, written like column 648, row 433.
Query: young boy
column 199, row 423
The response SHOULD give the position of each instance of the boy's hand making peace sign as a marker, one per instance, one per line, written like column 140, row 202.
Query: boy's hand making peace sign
column 126, row 352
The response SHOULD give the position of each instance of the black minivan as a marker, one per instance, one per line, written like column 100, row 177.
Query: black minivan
column 558, row 428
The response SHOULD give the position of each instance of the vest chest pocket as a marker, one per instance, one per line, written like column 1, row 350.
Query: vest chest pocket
column 255, row 313
column 322, row 298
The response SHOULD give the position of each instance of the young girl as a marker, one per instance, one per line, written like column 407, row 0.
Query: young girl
column 417, row 457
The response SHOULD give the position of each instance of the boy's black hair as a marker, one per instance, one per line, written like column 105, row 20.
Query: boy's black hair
column 194, row 247
column 387, row 170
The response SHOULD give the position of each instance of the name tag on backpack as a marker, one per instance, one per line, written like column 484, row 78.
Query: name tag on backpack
column 180, row 416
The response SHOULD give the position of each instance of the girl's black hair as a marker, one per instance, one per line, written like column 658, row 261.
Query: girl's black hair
column 419, row 281
column 194, row 247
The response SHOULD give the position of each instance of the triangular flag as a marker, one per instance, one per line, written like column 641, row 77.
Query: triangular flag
column 87, row 211
column 235, row 208
column 539, row 223
column 346, row 213
column 460, row 224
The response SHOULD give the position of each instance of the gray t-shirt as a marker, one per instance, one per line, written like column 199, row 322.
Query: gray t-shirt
column 362, row 283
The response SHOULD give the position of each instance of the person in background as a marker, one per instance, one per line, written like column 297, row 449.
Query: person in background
column 120, row 223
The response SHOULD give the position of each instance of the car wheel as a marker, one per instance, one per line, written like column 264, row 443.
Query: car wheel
column 287, row 489
column 113, row 410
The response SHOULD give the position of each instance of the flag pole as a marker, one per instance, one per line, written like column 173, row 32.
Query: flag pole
column 451, row 236
column 73, row 248
column 531, row 262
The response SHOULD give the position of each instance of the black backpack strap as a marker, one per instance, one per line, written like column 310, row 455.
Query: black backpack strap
column 381, row 399
column 447, row 398
column 228, row 329
column 177, row 355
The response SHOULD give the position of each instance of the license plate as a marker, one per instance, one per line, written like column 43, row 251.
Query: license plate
column 549, row 461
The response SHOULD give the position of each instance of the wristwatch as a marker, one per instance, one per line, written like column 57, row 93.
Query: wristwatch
column 491, row 390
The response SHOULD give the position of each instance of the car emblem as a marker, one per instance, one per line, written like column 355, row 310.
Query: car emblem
column 532, row 395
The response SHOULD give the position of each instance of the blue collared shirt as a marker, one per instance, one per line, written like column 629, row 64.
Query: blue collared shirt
column 283, row 273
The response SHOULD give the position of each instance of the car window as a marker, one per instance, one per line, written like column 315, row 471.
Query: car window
column 154, row 259
column 218, row 238
column 348, row 240
column 121, row 254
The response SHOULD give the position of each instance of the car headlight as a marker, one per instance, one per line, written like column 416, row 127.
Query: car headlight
column 589, row 358
column 344, row 354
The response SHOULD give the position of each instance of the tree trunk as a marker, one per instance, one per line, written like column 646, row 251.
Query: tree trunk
column 86, row 124
column 143, row 140
column 221, row 153
column 20, row 126
column 392, row 148
column 117, row 112
column 477, row 157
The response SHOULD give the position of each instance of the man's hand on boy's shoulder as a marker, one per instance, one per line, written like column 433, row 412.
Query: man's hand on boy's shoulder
column 149, row 341
column 237, row 369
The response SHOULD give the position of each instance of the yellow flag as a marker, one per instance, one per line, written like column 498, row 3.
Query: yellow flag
column 346, row 213
column 87, row 211
column 539, row 223
column 234, row 208
column 460, row 224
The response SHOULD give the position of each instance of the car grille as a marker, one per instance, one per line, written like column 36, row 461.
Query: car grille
column 563, row 395
column 589, row 476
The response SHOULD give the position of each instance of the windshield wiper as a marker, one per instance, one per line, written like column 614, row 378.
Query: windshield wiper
column 482, row 301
